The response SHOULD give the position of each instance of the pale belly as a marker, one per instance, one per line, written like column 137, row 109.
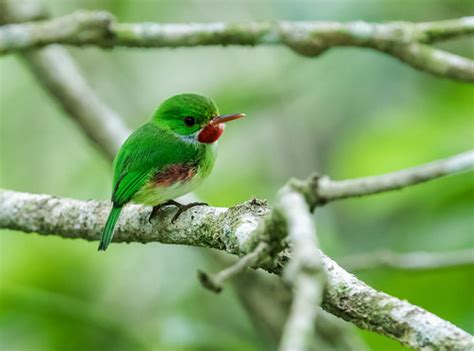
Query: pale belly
column 153, row 195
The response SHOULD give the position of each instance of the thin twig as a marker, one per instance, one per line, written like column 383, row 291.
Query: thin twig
column 412, row 261
column 323, row 189
column 403, row 40
column 231, row 230
column 214, row 282
column 304, row 270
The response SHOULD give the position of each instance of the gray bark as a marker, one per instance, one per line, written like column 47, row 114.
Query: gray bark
column 409, row 42
column 231, row 230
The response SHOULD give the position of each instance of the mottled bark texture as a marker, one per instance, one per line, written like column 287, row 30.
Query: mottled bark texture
column 409, row 42
column 231, row 230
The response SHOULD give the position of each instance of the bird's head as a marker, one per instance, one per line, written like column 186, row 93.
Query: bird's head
column 193, row 117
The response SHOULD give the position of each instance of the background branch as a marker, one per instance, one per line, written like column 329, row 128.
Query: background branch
column 56, row 71
column 214, row 282
column 58, row 74
column 409, row 261
column 322, row 189
column 404, row 40
column 231, row 230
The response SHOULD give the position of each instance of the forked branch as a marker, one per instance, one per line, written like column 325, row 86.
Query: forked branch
column 238, row 230
column 232, row 230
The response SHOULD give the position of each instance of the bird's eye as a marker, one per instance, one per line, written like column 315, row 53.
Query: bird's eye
column 189, row 121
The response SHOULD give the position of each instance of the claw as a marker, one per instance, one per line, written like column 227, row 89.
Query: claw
column 157, row 208
column 183, row 208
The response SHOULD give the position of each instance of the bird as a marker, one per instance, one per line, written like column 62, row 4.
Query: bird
column 167, row 157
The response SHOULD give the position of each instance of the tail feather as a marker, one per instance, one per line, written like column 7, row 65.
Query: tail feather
column 108, row 232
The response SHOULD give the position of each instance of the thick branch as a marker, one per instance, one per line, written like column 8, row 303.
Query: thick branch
column 400, row 39
column 231, row 230
column 413, row 261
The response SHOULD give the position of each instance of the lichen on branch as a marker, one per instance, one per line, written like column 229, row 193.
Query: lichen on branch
column 407, row 41
column 230, row 230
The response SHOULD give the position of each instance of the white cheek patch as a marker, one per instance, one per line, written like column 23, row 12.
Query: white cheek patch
column 191, row 138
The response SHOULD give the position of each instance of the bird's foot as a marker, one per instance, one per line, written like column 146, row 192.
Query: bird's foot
column 157, row 208
column 182, row 208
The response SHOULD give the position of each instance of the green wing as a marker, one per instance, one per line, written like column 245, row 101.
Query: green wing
column 145, row 152
column 128, row 185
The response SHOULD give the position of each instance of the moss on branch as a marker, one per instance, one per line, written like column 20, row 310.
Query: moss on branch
column 230, row 230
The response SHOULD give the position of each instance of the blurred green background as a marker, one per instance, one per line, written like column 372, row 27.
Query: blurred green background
column 348, row 113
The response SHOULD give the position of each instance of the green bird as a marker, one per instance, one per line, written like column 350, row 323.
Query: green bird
column 167, row 157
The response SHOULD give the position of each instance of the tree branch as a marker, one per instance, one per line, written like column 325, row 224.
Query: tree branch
column 58, row 74
column 413, row 261
column 231, row 230
column 320, row 190
column 245, row 219
column 254, row 287
column 214, row 283
column 404, row 40
column 304, row 270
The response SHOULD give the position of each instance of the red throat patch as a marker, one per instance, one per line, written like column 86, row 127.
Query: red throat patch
column 211, row 133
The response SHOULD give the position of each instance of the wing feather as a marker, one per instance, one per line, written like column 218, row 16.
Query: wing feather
column 147, row 151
